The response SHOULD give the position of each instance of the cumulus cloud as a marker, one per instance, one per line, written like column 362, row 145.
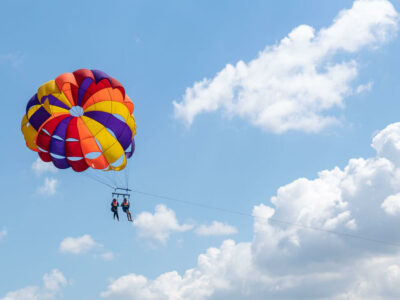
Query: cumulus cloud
column 106, row 256
column 392, row 204
column 216, row 228
column 39, row 167
column 387, row 143
column 159, row 226
column 292, row 85
column 287, row 261
column 49, row 187
column 3, row 233
column 78, row 245
column 214, row 270
column 53, row 283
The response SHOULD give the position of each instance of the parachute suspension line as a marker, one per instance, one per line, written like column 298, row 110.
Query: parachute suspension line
column 127, row 172
column 119, row 179
column 338, row 233
column 102, row 177
column 96, row 179
column 126, row 177
column 113, row 179
column 100, row 180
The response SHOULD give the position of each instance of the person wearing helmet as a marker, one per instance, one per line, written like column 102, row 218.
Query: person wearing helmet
column 114, row 208
column 125, row 207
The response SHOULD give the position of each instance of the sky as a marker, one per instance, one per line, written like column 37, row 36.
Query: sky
column 278, row 110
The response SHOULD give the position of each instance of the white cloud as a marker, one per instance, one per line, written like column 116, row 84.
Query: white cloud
column 392, row 204
column 15, row 59
column 364, row 88
column 160, row 225
column 3, row 233
column 78, row 245
column 387, row 143
column 106, row 256
column 291, row 85
column 49, row 187
column 53, row 283
column 285, row 261
column 214, row 270
column 39, row 167
column 216, row 228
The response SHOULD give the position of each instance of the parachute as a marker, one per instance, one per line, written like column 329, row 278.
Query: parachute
column 81, row 120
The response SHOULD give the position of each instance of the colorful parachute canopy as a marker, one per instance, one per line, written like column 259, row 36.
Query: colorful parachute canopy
column 80, row 120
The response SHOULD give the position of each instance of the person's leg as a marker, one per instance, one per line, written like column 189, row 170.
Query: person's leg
column 130, row 216
column 117, row 215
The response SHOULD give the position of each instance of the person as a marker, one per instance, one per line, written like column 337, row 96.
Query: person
column 114, row 208
column 125, row 207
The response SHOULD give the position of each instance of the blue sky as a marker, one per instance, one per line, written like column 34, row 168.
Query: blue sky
column 213, row 147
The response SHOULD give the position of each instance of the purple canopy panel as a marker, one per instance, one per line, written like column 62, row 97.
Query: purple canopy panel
column 121, row 130
column 38, row 118
column 83, row 87
column 100, row 75
column 130, row 153
column 54, row 101
column 32, row 102
column 57, row 146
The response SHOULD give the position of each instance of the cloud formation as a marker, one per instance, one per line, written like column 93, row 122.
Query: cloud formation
column 78, row 245
column 160, row 225
column 40, row 167
column 216, row 228
column 292, row 85
column 285, row 261
column 106, row 256
column 53, row 283
column 15, row 59
column 49, row 187
column 3, row 233
column 391, row 205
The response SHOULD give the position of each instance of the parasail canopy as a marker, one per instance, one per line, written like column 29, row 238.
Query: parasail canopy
column 81, row 120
